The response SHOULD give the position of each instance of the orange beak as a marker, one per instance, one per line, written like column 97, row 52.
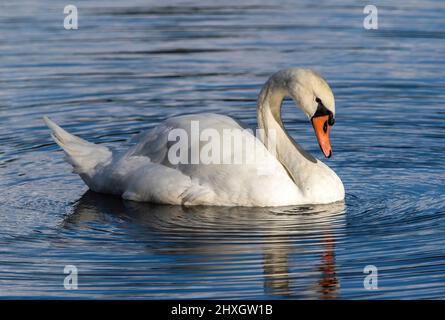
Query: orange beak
column 322, row 127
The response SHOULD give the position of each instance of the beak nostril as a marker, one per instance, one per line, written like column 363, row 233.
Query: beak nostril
column 321, row 128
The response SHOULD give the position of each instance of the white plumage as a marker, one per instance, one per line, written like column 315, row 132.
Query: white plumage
column 146, row 173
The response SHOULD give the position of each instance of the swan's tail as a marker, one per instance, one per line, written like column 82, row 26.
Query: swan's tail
column 84, row 156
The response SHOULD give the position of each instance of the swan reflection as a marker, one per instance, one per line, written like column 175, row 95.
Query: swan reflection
column 289, row 251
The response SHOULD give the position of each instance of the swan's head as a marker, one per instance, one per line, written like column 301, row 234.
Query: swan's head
column 314, row 96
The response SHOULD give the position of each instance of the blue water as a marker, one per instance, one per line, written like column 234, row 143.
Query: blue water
column 132, row 64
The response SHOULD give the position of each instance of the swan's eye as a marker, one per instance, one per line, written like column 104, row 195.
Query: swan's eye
column 325, row 126
column 323, row 111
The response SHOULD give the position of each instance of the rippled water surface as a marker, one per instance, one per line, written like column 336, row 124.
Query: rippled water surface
column 132, row 64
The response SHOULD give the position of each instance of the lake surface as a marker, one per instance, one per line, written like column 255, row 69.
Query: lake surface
column 132, row 64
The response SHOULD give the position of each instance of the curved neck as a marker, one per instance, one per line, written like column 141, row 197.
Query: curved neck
column 290, row 154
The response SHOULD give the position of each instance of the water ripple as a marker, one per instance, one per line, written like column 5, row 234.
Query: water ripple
column 132, row 65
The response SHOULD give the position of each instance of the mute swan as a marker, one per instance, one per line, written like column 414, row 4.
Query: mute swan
column 281, row 174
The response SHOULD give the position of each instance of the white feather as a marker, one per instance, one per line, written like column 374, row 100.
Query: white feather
column 146, row 173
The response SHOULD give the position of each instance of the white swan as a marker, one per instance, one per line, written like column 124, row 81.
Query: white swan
column 281, row 172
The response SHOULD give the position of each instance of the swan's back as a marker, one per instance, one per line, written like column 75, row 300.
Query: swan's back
column 149, row 170
column 239, row 176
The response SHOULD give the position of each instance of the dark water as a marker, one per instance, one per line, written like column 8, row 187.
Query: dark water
column 132, row 64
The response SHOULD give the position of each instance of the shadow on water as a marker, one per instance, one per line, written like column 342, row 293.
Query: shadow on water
column 279, row 243
column 131, row 66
